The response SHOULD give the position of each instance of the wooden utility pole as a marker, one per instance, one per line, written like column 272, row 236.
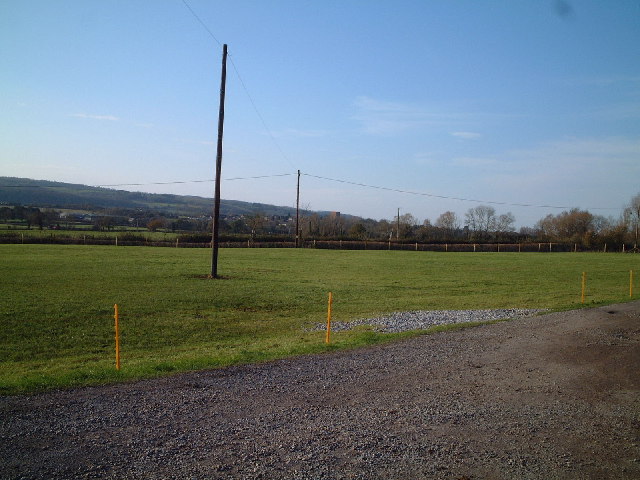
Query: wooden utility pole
column 216, row 203
column 298, row 212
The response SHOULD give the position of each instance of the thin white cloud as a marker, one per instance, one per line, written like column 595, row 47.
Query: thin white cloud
column 474, row 162
column 300, row 133
column 584, row 152
column 379, row 117
column 466, row 135
column 590, row 173
column 111, row 118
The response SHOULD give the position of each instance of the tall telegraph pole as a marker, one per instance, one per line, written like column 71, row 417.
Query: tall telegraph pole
column 216, row 204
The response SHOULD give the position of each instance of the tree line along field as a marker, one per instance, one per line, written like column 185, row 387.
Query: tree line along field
column 482, row 224
column 57, row 309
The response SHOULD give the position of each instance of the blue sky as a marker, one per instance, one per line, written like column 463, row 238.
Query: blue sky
column 514, row 102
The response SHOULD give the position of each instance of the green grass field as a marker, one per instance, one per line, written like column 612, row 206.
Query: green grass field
column 88, row 232
column 57, row 326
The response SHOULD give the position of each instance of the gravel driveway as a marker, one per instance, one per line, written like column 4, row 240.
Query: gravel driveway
column 552, row 396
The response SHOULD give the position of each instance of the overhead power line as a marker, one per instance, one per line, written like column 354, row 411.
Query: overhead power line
column 432, row 195
column 255, row 108
column 177, row 182
column 204, row 25
column 193, row 181
column 244, row 86
column 319, row 177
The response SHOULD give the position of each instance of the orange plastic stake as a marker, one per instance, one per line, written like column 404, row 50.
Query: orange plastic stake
column 329, row 317
column 117, row 338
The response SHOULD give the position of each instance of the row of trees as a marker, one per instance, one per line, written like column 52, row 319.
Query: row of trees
column 480, row 224
column 31, row 216
column 580, row 226
column 483, row 224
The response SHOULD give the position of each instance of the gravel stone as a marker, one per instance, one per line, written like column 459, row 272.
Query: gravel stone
column 424, row 319
column 554, row 396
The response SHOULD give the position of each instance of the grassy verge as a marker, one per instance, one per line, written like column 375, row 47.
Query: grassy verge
column 57, row 308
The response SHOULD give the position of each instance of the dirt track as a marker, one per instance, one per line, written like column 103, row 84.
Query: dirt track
column 555, row 396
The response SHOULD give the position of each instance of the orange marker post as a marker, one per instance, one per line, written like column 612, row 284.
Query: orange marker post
column 329, row 318
column 117, row 338
column 584, row 284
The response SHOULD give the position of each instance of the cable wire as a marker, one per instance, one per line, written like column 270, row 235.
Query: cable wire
column 424, row 194
column 192, row 181
column 176, row 182
column 255, row 108
column 244, row 86
column 201, row 22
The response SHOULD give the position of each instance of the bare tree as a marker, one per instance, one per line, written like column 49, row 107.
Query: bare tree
column 505, row 222
column 449, row 223
column 575, row 225
column 481, row 220
column 632, row 214
column 407, row 225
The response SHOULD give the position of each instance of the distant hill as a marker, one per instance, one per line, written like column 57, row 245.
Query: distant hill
column 47, row 194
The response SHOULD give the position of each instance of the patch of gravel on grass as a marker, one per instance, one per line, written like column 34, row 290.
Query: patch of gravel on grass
column 424, row 319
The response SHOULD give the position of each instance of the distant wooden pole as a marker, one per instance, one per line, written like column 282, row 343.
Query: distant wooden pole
column 298, row 212
column 216, row 205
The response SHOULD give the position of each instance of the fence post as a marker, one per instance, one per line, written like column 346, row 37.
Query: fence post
column 329, row 318
column 584, row 285
column 474, row 248
column 116, row 240
column 605, row 248
column 117, row 337
column 630, row 283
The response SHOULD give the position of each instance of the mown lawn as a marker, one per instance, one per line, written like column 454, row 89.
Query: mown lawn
column 56, row 311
